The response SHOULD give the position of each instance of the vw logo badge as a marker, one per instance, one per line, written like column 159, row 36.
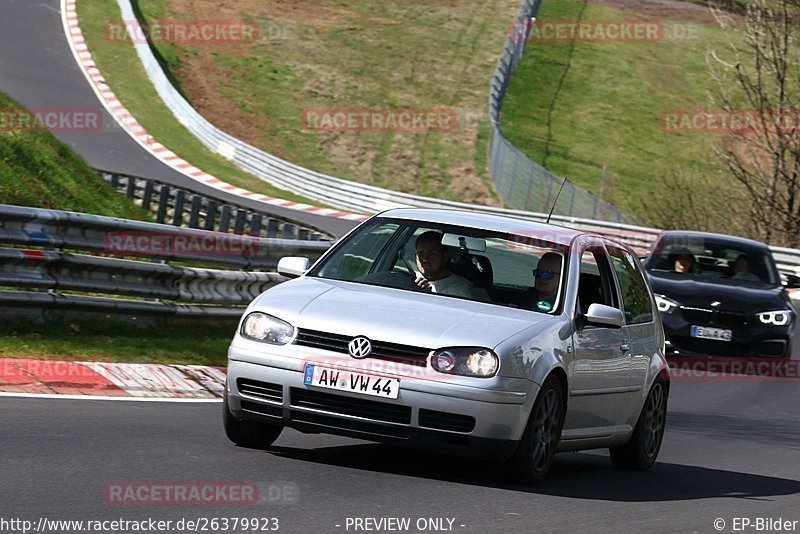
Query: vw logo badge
column 360, row 347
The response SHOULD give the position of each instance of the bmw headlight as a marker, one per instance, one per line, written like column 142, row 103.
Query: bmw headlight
column 665, row 305
column 777, row 318
column 266, row 328
column 466, row 361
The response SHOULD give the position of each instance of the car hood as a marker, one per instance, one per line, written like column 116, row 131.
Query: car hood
column 746, row 296
column 393, row 315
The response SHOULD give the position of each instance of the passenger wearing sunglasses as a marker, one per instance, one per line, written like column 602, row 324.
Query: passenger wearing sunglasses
column 547, row 275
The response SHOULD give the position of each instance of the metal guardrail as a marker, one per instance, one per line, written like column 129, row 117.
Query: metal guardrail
column 179, row 207
column 49, row 276
column 522, row 182
column 55, row 266
column 323, row 188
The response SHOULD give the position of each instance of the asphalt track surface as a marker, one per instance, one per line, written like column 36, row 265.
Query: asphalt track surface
column 731, row 450
column 37, row 69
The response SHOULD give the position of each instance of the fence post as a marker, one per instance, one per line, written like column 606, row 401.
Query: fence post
column 180, row 200
column 255, row 224
column 241, row 220
column 163, row 204
column 194, row 215
column 225, row 218
column 130, row 190
column 272, row 228
column 148, row 195
column 211, row 215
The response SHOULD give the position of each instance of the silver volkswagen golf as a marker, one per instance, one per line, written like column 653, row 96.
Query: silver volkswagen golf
column 462, row 332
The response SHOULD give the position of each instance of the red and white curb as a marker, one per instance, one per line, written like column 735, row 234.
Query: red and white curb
column 128, row 122
column 122, row 381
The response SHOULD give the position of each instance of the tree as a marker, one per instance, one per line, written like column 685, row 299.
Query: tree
column 758, row 85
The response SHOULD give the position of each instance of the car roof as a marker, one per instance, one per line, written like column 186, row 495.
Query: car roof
column 721, row 238
column 549, row 232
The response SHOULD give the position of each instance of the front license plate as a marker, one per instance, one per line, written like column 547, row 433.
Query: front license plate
column 330, row 378
column 707, row 332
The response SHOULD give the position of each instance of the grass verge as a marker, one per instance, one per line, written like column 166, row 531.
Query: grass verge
column 593, row 111
column 99, row 339
column 38, row 170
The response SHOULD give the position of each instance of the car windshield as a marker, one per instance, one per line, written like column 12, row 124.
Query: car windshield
column 712, row 258
column 520, row 271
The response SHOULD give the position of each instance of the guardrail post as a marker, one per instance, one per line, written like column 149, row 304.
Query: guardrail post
column 163, row 204
column 303, row 234
column 225, row 218
column 255, row 224
column 272, row 228
column 211, row 215
column 130, row 190
column 115, row 181
column 148, row 195
column 180, row 200
column 194, row 215
column 289, row 231
column 241, row 220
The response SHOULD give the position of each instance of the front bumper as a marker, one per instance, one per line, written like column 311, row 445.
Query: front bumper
column 453, row 417
column 749, row 340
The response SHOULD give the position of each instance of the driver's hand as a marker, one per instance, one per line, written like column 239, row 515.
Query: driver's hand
column 423, row 284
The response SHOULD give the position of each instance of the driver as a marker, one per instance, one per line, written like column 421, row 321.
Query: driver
column 433, row 275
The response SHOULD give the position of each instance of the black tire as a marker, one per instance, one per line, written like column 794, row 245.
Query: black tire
column 249, row 434
column 537, row 448
column 641, row 451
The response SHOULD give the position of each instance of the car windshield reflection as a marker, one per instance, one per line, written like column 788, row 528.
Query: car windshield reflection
column 479, row 265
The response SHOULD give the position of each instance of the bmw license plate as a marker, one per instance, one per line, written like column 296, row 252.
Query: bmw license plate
column 330, row 378
column 707, row 332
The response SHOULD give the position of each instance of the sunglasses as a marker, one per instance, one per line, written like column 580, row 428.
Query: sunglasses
column 548, row 274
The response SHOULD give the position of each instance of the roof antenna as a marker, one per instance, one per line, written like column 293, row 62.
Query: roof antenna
column 556, row 200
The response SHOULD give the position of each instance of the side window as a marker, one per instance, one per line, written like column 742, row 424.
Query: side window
column 635, row 297
column 595, row 285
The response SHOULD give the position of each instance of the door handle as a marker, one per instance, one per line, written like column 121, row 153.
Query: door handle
column 625, row 347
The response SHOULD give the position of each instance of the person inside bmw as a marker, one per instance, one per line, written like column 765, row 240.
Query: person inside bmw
column 684, row 261
column 742, row 271
column 547, row 274
column 433, row 276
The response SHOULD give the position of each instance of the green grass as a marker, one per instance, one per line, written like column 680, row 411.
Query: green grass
column 99, row 339
column 37, row 170
column 353, row 55
column 577, row 108
column 122, row 69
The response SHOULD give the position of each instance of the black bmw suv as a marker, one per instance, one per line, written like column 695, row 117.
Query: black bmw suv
column 720, row 296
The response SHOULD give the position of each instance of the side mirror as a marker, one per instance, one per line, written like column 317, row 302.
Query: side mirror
column 792, row 281
column 292, row 267
column 606, row 316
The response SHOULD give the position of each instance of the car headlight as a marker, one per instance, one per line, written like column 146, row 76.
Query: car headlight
column 665, row 305
column 777, row 318
column 262, row 327
column 466, row 361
